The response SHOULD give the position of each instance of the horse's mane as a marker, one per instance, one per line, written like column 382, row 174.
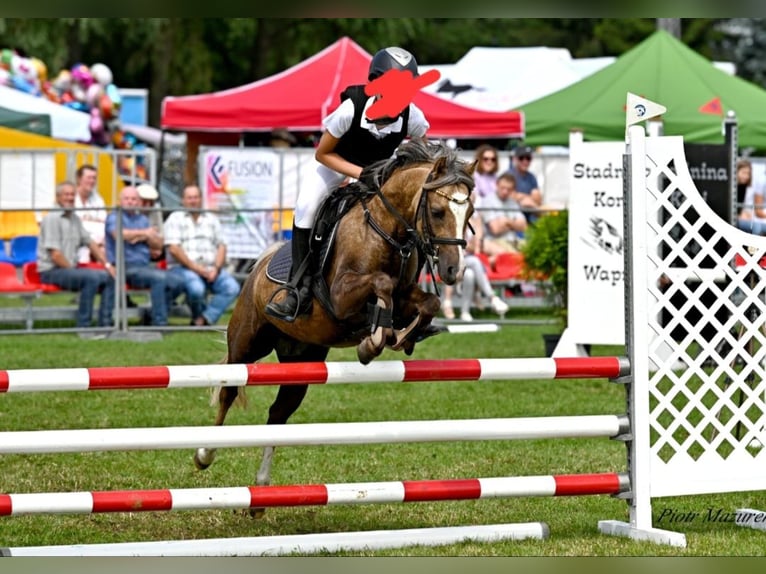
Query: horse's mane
column 416, row 152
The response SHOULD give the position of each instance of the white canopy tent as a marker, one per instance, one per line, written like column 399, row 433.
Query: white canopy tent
column 502, row 79
column 66, row 123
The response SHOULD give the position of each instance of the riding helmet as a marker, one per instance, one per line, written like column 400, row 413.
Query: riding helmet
column 392, row 58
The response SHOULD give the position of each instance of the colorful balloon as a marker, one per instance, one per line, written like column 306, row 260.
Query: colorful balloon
column 101, row 74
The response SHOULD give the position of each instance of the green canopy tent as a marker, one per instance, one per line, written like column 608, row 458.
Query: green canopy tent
column 696, row 94
column 33, row 123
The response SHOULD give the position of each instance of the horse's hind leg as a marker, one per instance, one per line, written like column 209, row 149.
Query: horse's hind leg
column 204, row 457
column 289, row 398
column 248, row 340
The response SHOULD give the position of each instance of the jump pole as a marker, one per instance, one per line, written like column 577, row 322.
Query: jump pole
column 251, row 374
column 246, row 497
column 165, row 438
column 297, row 544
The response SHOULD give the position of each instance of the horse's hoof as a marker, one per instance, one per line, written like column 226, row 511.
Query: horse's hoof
column 257, row 513
column 365, row 351
column 203, row 458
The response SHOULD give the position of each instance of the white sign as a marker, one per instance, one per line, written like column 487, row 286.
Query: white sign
column 243, row 183
column 596, row 312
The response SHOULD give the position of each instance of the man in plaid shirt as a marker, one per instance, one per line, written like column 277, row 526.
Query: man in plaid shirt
column 196, row 252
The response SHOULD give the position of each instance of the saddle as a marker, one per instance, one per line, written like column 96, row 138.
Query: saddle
column 323, row 234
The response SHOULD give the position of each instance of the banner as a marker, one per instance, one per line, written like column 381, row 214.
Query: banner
column 596, row 311
column 243, row 184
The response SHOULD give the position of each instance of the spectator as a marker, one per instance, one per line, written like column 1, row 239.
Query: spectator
column 196, row 254
column 93, row 209
column 527, row 193
column 139, row 238
column 485, row 175
column 505, row 224
column 148, row 196
column 280, row 138
column 752, row 213
column 61, row 234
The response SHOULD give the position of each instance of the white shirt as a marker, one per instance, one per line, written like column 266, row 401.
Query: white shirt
column 92, row 219
column 339, row 121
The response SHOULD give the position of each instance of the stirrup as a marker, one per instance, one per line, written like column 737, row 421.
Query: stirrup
column 302, row 307
column 272, row 307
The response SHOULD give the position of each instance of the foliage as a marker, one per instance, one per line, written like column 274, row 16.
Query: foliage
column 178, row 56
column 545, row 251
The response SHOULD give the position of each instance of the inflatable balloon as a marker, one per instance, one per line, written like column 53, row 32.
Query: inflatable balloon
column 23, row 85
column 105, row 106
column 40, row 68
column 62, row 83
column 47, row 90
column 114, row 95
column 81, row 75
column 5, row 77
column 101, row 74
column 6, row 56
column 93, row 95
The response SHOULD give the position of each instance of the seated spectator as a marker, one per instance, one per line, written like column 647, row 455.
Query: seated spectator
column 61, row 234
column 139, row 238
column 91, row 209
column 196, row 254
column 149, row 196
column 485, row 174
column 527, row 193
column 751, row 216
column 505, row 224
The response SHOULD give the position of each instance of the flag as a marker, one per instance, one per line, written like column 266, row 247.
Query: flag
column 639, row 109
column 713, row 107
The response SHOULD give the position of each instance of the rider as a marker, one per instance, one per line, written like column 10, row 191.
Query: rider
column 349, row 143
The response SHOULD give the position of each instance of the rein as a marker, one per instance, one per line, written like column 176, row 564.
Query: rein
column 424, row 242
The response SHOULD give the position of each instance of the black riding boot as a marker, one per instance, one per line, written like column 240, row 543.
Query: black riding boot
column 298, row 299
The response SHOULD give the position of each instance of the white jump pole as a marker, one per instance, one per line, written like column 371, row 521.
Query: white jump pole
column 164, row 438
column 297, row 544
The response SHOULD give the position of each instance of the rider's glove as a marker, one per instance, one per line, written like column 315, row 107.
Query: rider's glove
column 367, row 177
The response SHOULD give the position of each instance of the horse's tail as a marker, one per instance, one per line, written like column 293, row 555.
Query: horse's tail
column 240, row 401
column 215, row 392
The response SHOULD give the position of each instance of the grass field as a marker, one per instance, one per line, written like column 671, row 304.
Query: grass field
column 572, row 520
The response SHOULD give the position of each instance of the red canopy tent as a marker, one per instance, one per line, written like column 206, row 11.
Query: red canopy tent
column 301, row 96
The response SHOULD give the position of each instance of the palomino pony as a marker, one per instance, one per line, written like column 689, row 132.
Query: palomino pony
column 416, row 215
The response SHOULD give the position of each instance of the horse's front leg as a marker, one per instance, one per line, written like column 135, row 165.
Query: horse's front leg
column 350, row 293
column 422, row 307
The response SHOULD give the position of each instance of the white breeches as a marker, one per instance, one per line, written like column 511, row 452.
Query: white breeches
column 314, row 189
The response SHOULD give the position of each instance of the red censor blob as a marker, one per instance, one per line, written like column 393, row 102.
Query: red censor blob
column 396, row 89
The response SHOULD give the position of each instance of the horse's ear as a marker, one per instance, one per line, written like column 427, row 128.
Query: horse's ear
column 440, row 167
column 471, row 167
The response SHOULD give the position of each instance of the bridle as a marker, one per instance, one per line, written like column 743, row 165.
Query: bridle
column 421, row 240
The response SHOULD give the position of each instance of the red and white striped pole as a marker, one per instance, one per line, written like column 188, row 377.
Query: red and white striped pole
column 311, row 494
column 102, row 378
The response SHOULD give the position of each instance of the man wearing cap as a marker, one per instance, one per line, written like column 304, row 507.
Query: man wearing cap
column 148, row 195
column 527, row 194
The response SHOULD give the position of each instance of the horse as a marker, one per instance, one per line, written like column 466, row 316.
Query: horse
column 414, row 214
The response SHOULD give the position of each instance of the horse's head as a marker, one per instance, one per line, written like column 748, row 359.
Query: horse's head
column 445, row 208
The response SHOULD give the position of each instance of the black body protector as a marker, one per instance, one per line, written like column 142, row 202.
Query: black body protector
column 358, row 145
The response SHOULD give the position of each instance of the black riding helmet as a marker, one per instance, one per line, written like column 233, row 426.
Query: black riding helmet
column 392, row 58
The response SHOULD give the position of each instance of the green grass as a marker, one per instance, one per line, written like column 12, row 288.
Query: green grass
column 573, row 521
